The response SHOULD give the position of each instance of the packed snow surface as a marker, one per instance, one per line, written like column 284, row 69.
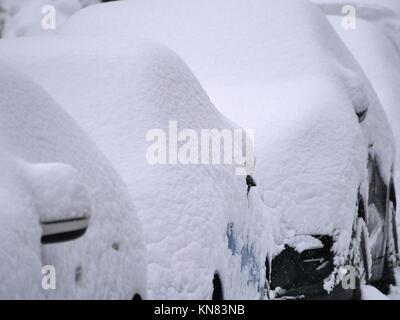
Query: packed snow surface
column 197, row 219
column 52, row 170
column 371, row 293
column 295, row 83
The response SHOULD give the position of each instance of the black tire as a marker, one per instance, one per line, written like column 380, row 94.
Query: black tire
column 360, row 256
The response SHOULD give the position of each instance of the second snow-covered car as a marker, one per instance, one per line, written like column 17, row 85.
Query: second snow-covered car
column 377, row 52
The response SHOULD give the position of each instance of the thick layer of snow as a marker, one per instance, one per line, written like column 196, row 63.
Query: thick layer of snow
column 295, row 83
column 20, row 233
column 371, row 293
column 24, row 17
column 58, row 191
column 197, row 219
column 380, row 58
column 40, row 146
column 302, row 243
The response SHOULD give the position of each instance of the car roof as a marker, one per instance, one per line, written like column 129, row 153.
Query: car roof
column 204, row 38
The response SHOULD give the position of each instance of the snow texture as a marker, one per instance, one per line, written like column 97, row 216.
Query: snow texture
column 197, row 219
column 371, row 293
column 51, row 168
column 58, row 191
column 295, row 83
column 302, row 243
column 20, row 265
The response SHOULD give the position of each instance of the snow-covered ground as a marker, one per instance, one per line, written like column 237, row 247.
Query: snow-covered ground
column 261, row 74
column 371, row 293
column 50, row 166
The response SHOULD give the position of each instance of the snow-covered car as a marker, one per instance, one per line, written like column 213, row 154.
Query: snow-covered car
column 53, row 180
column 206, row 231
column 323, row 143
column 379, row 56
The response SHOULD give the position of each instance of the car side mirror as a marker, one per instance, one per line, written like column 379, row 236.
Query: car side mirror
column 62, row 201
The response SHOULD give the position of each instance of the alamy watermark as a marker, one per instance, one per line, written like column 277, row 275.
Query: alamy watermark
column 349, row 20
column 49, row 17
column 349, row 280
column 202, row 147
column 49, row 280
